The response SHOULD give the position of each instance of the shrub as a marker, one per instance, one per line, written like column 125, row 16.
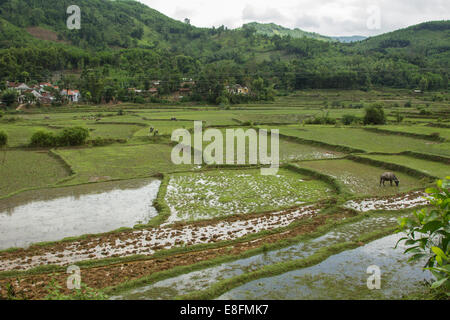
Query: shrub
column 435, row 135
column 398, row 117
column 424, row 112
column 428, row 236
column 408, row 104
column 374, row 115
column 348, row 119
column 43, row 138
column 336, row 104
column 139, row 99
column 321, row 120
column 438, row 97
column 55, row 292
column 3, row 138
column 73, row 136
column 9, row 96
column 68, row 137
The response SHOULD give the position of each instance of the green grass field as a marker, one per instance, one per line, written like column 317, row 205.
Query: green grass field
column 21, row 170
column 143, row 156
column 437, row 169
column 365, row 140
column 418, row 129
column 361, row 179
column 119, row 162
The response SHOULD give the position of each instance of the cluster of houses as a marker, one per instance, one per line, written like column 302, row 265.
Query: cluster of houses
column 185, row 89
column 237, row 89
column 43, row 92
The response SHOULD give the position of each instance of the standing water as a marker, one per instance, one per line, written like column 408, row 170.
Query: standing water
column 344, row 276
column 53, row 214
column 203, row 279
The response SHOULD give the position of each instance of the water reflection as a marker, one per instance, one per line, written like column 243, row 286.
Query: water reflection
column 53, row 214
column 343, row 276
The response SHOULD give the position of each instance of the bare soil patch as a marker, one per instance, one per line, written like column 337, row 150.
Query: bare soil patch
column 44, row 34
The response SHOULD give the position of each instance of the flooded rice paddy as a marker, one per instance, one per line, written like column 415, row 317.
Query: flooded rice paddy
column 195, row 196
column 405, row 201
column 148, row 241
column 344, row 276
column 201, row 280
column 53, row 214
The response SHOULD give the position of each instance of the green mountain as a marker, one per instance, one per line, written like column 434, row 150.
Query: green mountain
column 271, row 29
column 124, row 43
column 426, row 44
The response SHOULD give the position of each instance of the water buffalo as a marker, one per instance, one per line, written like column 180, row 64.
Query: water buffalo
column 388, row 176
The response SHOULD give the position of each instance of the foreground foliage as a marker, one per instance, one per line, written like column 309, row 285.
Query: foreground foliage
column 83, row 293
column 428, row 235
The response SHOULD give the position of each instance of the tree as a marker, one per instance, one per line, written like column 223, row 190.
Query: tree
column 9, row 97
column 423, row 84
column 374, row 115
column 3, row 138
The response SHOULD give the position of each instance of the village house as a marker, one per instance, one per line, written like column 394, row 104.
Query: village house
column 153, row 91
column 237, row 89
column 41, row 93
column 72, row 95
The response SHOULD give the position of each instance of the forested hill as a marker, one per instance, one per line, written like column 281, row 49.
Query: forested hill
column 272, row 29
column 124, row 43
column 104, row 23
column 424, row 44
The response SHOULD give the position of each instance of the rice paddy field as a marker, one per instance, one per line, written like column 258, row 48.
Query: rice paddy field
column 21, row 170
column 219, row 193
column 361, row 179
column 433, row 168
column 142, row 227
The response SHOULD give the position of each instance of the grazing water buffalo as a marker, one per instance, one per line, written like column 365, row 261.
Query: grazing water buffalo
column 388, row 176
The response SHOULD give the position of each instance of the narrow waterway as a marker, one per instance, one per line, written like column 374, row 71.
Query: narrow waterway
column 53, row 214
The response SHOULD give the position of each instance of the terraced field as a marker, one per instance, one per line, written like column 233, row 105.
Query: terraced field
column 205, row 231
column 433, row 168
column 119, row 162
column 362, row 179
column 367, row 141
column 219, row 193
column 20, row 170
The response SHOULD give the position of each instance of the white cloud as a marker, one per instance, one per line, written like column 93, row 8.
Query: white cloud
column 328, row 17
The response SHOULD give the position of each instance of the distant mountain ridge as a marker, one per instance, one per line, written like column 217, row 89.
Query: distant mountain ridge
column 350, row 39
column 272, row 29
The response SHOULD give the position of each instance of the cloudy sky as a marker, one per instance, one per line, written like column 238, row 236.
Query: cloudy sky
column 328, row 17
